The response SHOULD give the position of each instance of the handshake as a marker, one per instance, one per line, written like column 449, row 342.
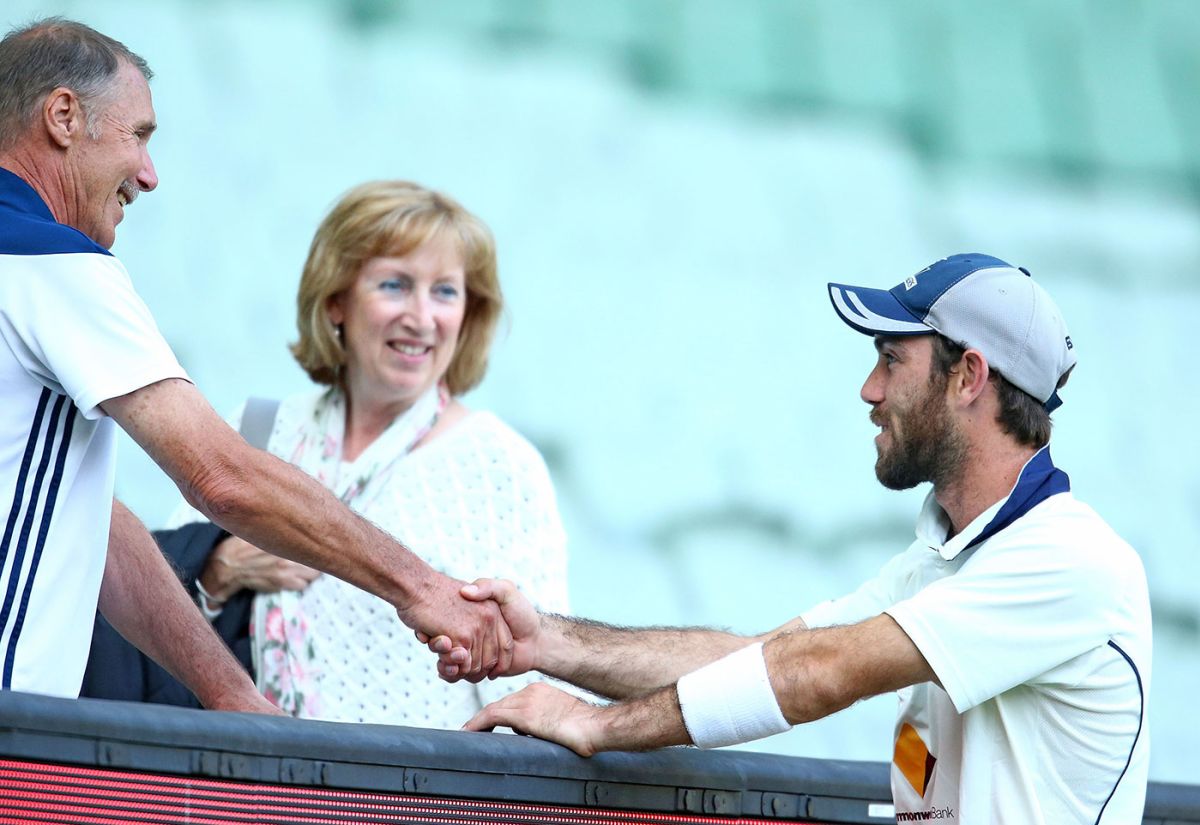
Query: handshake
column 506, row 639
column 650, row 672
column 519, row 639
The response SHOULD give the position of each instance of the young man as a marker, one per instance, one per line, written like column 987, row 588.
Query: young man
column 1016, row 627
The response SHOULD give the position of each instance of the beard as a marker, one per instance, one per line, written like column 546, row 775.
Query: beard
column 926, row 446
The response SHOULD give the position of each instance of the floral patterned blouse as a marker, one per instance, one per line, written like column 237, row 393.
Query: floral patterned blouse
column 476, row 501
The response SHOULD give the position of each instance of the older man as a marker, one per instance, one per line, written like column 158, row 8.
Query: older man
column 1016, row 628
column 82, row 355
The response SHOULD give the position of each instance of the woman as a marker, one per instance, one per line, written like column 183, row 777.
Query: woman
column 398, row 303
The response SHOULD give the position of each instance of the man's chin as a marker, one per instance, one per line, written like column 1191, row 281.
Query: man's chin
column 893, row 477
column 106, row 239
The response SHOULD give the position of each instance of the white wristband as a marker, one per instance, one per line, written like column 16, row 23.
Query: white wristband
column 730, row 700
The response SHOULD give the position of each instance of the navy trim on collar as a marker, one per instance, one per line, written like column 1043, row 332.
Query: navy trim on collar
column 28, row 227
column 1039, row 480
column 19, row 196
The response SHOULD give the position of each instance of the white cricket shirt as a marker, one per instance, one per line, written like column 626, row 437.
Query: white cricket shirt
column 73, row 333
column 1036, row 620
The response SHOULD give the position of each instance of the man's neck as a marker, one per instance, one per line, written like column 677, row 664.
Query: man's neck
column 988, row 475
column 25, row 165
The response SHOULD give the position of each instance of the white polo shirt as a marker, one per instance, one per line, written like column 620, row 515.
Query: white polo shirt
column 73, row 333
column 1036, row 620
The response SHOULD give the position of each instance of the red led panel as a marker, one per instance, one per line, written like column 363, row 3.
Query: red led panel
column 33, row 792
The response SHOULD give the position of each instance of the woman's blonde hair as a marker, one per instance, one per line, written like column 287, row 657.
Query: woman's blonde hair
column 393, row 218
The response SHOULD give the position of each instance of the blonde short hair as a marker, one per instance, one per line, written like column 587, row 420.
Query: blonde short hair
column 392, row 218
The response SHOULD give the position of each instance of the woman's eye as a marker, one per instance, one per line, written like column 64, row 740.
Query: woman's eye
column 393, row 284
column 446, row 291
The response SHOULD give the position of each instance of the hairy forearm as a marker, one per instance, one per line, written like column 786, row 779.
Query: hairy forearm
column 277, row 508
column 621, row 662
column 141, row 597
column 645, row 723
column 289, row 514
column 263, row 499
column 817, row 672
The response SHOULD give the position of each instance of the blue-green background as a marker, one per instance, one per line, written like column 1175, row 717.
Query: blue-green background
column 671, row 183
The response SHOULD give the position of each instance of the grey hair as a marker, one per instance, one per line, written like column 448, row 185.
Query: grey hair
column 42, row 56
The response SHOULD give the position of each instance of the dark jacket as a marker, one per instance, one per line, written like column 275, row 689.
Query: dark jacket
column 118, row 670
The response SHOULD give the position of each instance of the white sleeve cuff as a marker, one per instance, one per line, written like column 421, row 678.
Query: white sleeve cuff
column 730, row 700
column 203, row 598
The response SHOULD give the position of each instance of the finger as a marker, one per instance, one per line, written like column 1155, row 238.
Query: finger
column 490, row 648
column 499, row 590
column 505, row 652
column 503, row 591
column 456, row 656
column 422, row 638
column 481, row 589
column 484, row 720
column 477, row 653
column 477, row 591
column 453, row 673
column 444, row 644
column 294, row 568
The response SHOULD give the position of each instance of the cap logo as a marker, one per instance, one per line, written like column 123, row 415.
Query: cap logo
column 1069, row 344
column 910, row 282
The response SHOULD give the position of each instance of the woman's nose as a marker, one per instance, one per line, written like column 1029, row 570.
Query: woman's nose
column 419, row 310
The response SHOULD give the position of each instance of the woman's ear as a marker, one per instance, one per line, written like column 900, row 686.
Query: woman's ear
column 333, row 308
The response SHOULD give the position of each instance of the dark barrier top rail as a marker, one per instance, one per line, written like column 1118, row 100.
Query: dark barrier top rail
column 376, row 758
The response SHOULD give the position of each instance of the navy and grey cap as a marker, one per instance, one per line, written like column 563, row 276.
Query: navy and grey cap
column 979, row 302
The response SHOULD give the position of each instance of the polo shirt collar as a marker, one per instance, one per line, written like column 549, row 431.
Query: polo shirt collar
column 1039, row 479
column 19, row 196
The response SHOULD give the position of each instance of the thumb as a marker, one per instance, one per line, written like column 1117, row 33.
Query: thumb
column 483, row 589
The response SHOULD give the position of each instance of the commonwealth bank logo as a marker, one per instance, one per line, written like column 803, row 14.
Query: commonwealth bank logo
column 914, row 759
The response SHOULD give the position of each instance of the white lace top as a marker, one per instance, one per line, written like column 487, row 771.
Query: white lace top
column 477, row 501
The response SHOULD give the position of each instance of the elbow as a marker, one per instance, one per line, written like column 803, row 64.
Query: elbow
column 819, row 685
column 220, row 489
column 833, row 690
column 825, row 695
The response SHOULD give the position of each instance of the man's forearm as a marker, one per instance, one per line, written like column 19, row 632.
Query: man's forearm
column 289, row 514
column 807, row 675
column 817, row 672
column 796, row 676
column 621, row 662
column 650, row 721
column 141, row 597
column 263, row 499
column 278, row 508
column 645, row 723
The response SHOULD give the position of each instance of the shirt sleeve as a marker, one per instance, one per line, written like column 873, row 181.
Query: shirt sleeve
column 83, row 328
column 869, row 600
column 1019, row 607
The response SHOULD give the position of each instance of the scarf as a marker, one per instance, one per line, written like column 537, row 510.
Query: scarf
column 285, row 662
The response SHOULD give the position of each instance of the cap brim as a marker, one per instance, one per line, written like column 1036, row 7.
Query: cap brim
column 874, row 311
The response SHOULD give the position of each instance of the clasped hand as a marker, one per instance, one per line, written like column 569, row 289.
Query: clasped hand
column 538, row 709
column 523, row 623
column 473, row 638
column 236, row 564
